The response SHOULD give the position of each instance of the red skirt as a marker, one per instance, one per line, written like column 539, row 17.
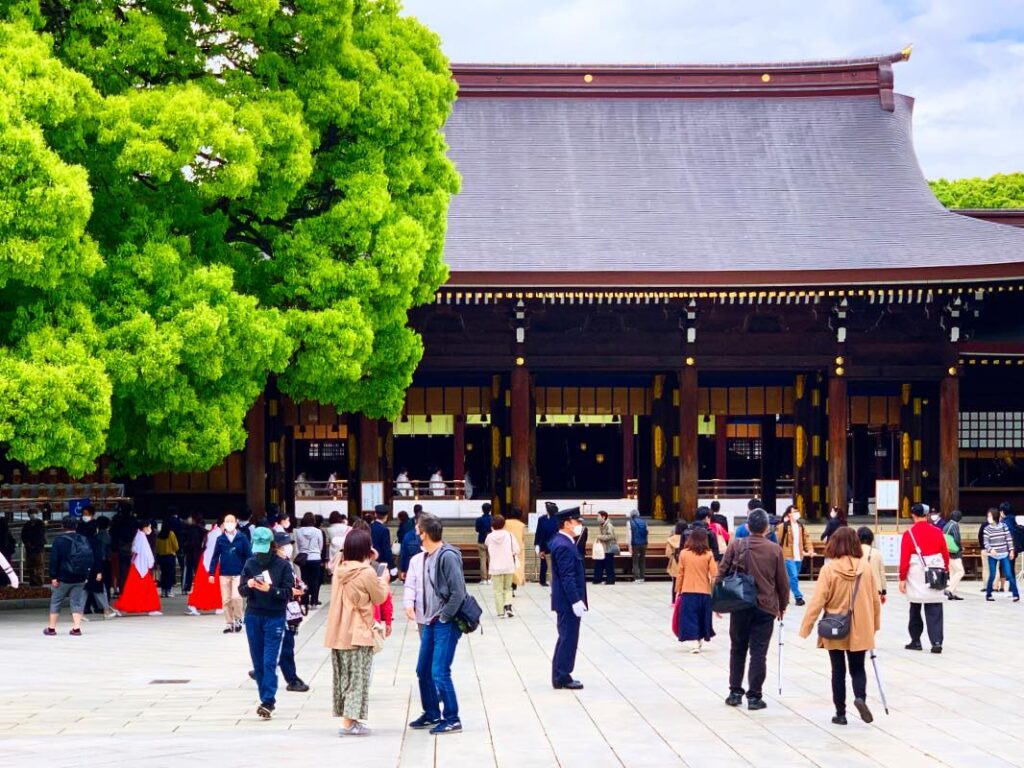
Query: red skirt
column 139, row 594
column 204, row 595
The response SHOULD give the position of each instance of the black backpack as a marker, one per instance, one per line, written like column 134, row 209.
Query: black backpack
column 80, row 557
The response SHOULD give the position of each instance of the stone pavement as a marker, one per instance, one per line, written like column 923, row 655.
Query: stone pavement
column 91, row 700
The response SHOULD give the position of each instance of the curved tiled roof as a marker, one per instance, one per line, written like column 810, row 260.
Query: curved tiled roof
column 720, row 190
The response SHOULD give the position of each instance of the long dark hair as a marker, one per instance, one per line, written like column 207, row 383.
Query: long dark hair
column 165, row 530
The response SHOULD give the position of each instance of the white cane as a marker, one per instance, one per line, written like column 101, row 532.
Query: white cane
column 782, row 644
column 878, row 679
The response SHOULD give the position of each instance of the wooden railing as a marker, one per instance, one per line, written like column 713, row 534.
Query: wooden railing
column 430, row 489
column 321, row 489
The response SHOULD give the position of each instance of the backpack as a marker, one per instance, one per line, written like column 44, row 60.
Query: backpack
column 639, row 531
column 80, row 558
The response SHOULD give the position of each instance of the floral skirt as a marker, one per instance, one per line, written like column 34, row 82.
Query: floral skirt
column 352, row 682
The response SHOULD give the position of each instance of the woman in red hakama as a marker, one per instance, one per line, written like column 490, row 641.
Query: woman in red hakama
column 139, row 593
column 204, row 595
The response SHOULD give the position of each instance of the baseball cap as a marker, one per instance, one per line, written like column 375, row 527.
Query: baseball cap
column 261, row 538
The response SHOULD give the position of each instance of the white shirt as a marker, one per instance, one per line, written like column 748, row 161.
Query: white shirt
column 797, row 553
column 412, row 592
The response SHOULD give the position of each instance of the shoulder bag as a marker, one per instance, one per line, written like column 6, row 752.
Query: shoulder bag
column 935, row 578
column 836, row 626
column 737, row 591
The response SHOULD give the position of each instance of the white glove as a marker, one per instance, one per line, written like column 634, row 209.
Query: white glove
column 579, row 609
column 537, row 550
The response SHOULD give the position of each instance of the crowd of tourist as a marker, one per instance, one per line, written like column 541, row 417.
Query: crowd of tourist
column 263, row 577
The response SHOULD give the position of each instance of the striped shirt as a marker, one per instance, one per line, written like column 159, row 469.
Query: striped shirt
column 997, row 540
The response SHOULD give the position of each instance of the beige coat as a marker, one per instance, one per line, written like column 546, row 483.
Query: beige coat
column 784, row 533
column 355, row 589
column 874, row 557
column 670, row 552
column 832, row 595
column 518, row 529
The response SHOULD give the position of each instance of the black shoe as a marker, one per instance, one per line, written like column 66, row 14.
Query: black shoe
column 424, row 721
column 800, row 601
column 49, row 632
column 252, row 675
column 989, row 599
column 757, row 703
column 228, row 629
column 862, row 710
column 734, row 699
column 956, row 597
column 839, row 720
column 297, row 686
column 265, row 711
column 936, row 649
column 572, row 685
column 912, row 646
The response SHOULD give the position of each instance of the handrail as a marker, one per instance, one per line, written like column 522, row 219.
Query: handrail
column 321, row 489
column 430, row 489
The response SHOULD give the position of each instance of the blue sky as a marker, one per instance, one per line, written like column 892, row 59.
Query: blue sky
column 967, row 71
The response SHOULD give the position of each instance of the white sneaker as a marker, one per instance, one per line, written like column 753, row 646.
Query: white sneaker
column 357, row 729
column 219, row 612
column 155, row 613
column 191, row 611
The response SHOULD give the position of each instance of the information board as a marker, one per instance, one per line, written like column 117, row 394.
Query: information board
column 372, row 494
column 889, row 545
column 887, row 495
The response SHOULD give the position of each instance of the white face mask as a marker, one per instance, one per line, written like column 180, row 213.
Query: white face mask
column 286, row 550
column 229, row 527
column 577, row 530
column 795, row 516
column 209, row 526
column 833, row 513
column 87, row 518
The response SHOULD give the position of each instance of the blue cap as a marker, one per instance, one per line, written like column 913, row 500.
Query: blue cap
column 261, row 538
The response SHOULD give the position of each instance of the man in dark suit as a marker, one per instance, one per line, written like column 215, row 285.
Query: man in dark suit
column 547, row 527
column 568, row 595
column 380, row 536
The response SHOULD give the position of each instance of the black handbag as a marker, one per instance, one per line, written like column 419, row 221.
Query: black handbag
column 935, row 578
column 301, row 559
column 836, row 626
column 737, row 591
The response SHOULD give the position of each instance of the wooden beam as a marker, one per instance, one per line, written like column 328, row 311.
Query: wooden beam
column 688, row 466
column 838, row 420
column 459, row 449
column 949, row 444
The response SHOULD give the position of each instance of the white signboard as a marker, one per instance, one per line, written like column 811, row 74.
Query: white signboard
column 372, row 495
column 887, row 495
column 889, row 546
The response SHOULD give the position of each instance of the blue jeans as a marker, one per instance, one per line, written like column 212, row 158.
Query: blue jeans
column 265, row 634
column 434, row 671
column 793, row 571
column 1003, row 564
column 287, row 660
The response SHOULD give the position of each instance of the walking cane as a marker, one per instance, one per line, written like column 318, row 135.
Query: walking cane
column 878, row 679
column 782, row 643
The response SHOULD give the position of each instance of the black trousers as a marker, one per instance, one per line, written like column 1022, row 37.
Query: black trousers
column 932, row 615
column 564, row 659
column 749, row 631
column 167, row 564
column 840, row 660
column 543, row 569
column 313, row 574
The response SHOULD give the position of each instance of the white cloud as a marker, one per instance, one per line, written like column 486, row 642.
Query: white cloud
column 967, row 72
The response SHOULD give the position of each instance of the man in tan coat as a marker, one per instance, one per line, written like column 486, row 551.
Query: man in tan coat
column 796, row 545
column 847, row 583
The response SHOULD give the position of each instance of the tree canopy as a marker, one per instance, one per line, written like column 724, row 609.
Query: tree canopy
column 197, row 195
column 1004, row 190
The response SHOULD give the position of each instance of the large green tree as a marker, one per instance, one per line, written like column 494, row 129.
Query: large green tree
column 1004, row 190
column 196, row 195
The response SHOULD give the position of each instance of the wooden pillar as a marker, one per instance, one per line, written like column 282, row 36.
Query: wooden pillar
column 910, row 452
column 721, row 448
column 769, row 468
column 256, row 457
column 369, row 455
column 808, row 444
column 838, row 421
column 949, row 445
column 501, row 448
column 628, row 454
column 459, row 449
column 522, row 426
column 688, row 438
column 663, row 428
